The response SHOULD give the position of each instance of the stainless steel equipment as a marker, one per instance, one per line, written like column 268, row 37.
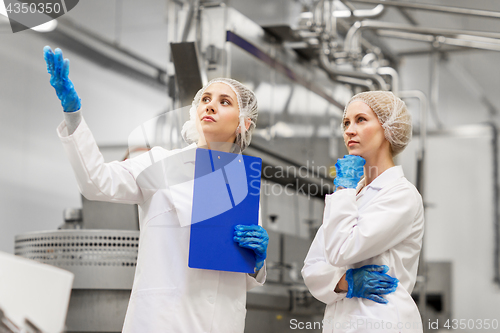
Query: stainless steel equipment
column 103, row 262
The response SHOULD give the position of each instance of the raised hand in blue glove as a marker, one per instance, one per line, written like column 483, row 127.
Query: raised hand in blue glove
column 253, row 237
column 370, row 282
column 59, row 71
column 349, row 171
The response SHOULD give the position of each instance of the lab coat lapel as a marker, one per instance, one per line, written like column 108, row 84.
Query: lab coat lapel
column 180, row 177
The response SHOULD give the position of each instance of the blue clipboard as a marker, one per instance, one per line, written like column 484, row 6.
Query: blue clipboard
column 226, row 193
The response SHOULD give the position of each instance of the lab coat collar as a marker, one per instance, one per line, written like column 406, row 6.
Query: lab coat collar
column 386, row 177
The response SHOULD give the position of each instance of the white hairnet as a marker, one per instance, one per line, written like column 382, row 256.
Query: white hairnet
column 392, row 114
column 247, row 104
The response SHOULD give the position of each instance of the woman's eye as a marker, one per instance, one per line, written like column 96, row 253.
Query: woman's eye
column 225, row 102
column 206, row 99
column 346, row 124
column 361, row 119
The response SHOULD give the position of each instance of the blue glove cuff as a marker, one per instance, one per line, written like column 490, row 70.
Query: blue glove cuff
column 259, row 265
column 345, row 182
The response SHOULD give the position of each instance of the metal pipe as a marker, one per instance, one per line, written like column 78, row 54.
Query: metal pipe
column 332, row 20
column 272, row 62
column 370, row 42
column 426, row 51
column 368, row 59
column 352, row 41
column 332, row 70
column 360, row 13
column 423, row 103
column 464, row 45
column 471, row 44
column 193, row 8
column 394, row 77
column 407, row 16
column 318, row 22
column 496, row 208
column 386, row 71
column 434, row 8
column 348, row 5
column 367, row 83
column 434, row 87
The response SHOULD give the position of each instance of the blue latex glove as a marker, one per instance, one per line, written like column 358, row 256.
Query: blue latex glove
column 349, row 171
column 370, row 282
column 59, row 71
column 253, row 237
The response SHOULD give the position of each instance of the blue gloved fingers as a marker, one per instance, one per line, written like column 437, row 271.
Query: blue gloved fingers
column 58, row 62
column 251, row 233
column 253, row 237
column 376, row 268
column 255, row 244
column 258, row 234
column 378, row 299
column 251, row 227
column 250, row 239
column 389, row 280
column 65, row 69
column 384, row 291
column 382, row 284
column 349, row 171
column 377, row 283
column 258, row 248
column 48, row 55
column 370, row 281
column 58, row 69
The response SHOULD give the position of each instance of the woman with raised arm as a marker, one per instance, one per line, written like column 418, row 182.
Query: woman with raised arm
column 167, row 295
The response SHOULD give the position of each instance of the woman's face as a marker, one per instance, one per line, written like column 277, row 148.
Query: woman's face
column 218, row 113
column 363, row 134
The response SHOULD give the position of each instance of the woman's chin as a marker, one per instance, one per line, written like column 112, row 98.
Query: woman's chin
column 355, row 152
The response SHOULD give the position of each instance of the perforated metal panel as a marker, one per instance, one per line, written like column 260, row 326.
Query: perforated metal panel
column 100, row 259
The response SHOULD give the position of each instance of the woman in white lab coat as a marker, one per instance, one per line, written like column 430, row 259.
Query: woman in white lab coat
column 378, row 221
column 167, row 295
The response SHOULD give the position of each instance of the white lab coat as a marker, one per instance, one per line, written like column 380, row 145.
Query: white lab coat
column 382, row 225
column 167, row 295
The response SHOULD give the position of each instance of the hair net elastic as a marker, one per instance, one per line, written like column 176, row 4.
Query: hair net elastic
column 392, row 114
column 247, row 104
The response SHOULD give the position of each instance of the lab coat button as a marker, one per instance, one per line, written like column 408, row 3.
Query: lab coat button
column 211, row 299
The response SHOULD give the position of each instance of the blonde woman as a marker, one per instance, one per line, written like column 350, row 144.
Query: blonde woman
column 372, row 229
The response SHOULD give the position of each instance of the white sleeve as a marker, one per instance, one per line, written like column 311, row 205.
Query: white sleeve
column 351, row 236
column 257, row 280
column 114, row 182
column 73, row 120
column 320, row 277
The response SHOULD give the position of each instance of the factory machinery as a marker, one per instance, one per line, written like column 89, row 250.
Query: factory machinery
column 330, row 55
